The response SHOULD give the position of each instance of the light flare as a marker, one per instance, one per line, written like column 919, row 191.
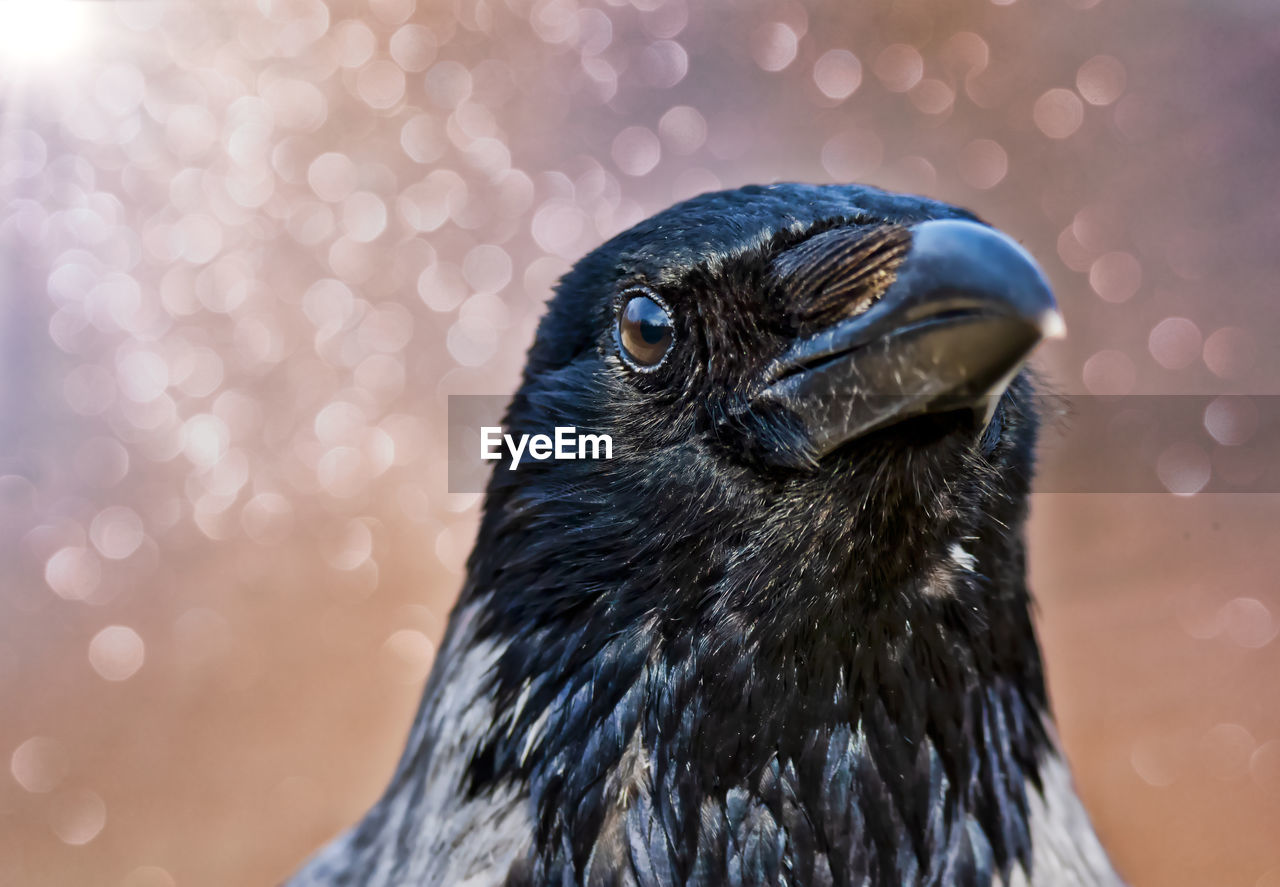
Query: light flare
column 41, row 32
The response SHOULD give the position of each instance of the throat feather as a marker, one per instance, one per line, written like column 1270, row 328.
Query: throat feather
column 833, row 751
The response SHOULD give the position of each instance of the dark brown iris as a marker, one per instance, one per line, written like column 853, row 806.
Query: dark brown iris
column 644, row 331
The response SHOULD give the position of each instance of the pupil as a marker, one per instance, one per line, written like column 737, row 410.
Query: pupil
column 651, row 332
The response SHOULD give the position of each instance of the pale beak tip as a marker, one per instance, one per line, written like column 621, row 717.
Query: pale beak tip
column 1051, row 324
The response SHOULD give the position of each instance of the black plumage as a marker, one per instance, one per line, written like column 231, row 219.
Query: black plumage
column 750, row 650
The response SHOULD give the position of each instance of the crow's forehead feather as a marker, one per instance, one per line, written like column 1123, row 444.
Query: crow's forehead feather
column 714, row 228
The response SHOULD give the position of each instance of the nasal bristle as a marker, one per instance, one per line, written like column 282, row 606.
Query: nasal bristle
column 839, row 273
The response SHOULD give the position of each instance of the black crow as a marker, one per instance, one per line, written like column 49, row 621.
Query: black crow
column 783, row 635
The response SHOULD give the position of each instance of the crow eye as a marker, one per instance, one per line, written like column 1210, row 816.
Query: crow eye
column 645, row 332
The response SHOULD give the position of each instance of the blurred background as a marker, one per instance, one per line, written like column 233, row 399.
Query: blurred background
column 248, row 249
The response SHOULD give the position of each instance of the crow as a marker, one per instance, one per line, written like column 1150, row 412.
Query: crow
column 783, row 636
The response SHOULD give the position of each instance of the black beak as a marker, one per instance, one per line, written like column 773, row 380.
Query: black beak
column 966, row 309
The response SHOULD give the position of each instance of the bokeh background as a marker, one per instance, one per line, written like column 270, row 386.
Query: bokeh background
column 247, row 249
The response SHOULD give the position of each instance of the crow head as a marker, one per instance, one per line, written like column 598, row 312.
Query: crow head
column 813, row 387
